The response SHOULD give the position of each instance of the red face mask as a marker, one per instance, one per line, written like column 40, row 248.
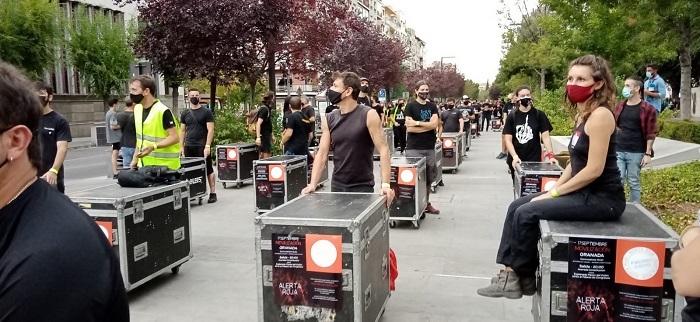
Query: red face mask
column 579, row 94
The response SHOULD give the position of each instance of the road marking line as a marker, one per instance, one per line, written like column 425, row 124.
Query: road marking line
column 463, row 276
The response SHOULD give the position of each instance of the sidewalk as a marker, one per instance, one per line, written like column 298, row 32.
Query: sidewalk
column 440, row 266
column 80, row 143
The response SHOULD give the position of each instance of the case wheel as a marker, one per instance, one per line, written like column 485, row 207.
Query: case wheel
column 442, row 184
column 454, row 171
column 200, row 201
column 176, row 269
column 392, row 223
column 432, row 189
column 224, row 184
column 416, row 224
column 422, row 215
column 238, row 185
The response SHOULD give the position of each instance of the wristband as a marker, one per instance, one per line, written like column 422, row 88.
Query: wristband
column 647, row 154
column 417, row 123
column 207, row 146
column 54, row 171
column 155, row 146
column 554, row 193
column 386, row 185
column 549, row 155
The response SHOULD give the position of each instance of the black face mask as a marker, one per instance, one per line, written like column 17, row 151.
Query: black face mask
column 194, row 100
column 525, row 101
column 334, row 97
column 136, row 98
column 423, row 96
column 400, row 105
column 364, row 89
column 450, row 106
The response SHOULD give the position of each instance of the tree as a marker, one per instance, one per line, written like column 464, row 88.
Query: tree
column 471, row 88
column 443, row 83
column 197, row 38
column 99, row 50
column 29, row 33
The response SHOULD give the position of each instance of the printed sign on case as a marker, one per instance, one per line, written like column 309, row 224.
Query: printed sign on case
column 106, row 228
column 614, row 280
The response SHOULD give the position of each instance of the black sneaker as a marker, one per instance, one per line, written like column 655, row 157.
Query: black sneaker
column 212, row 198
column 501, row 156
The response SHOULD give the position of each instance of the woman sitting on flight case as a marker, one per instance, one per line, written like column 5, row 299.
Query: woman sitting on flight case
column 589, row 189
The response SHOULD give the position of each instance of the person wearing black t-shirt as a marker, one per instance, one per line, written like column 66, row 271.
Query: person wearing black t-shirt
column 525, row 130
column 452, row 120
column 589, row 189
column 197, row 134
column 421, row 124
column 263, row 128
column 56, row 264
column 364, row 92
column 295, row 135
column 54, row 137
column 309, row 114
column 398, row 121
column 379, row 108
column 507, row 109
column 486, row 117
column 125, row 121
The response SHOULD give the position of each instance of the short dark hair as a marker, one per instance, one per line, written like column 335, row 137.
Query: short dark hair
column 295, row 103
column 146, row 81
column 421, row 83
column 451, row 100
column 375, row 98
column 43, row 86
column 351, row 80
column 19, row 105
column 520, row 88
column 268, row 96
column 192, row 90
column 112, row 102
column 640, row 83
column 653, row 65
column 128, row 102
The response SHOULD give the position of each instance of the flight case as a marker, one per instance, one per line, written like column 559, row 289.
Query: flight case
column 452, row 151
column 279, row 179
column 607, row 271
column 534, row 177
column 194, row 170
column 234, row 163
column 149, row 228
column 437, row 181
column 408, row 176
column 389, row 136
column 323, row 257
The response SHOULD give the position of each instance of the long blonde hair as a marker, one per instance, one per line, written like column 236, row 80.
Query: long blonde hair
column 605, row 95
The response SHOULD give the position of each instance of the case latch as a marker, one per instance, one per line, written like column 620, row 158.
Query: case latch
column 368, row 296
column 347, row 280
column 267, row 275
column 366, row 238
column 177, row 199
column 138, row 211
column 667, row 310
column 559, row 303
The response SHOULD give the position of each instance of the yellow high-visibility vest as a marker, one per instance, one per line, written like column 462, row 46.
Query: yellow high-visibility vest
column 150, row 131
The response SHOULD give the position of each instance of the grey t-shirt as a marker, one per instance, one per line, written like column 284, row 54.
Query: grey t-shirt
column 113, row 136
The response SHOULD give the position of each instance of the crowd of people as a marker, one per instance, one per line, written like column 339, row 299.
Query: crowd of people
column 610, row 144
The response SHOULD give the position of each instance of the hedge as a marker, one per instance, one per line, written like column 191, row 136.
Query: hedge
column 560, row 115
column 686, row 131
column 673, row 193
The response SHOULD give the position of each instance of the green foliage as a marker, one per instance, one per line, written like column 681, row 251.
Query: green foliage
column 673, row 193
column 681, row 130
column 471, row 88
column 29, row 32
column 99, row 49
column 559, row 113
column 231, row 126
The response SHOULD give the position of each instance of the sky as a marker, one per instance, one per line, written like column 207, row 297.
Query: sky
column 465, row 29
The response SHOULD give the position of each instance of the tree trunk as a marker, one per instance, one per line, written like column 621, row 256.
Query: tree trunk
column 685, row 60
column 252, row 82
column 270, row 58
column 543, row 74
column 176, row 93
column 212, row 90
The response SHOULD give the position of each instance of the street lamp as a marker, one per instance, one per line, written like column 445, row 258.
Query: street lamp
column 441, row 58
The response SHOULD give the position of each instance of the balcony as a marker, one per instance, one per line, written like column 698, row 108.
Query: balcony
column 297, row 87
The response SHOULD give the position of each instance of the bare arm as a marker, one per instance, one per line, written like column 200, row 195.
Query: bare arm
column 547, row 140
column 258, row 125
column 461, row 125
column 413, row 126
column 183, row 133
column 684, row 265
column 321, row 156
column 374, row 126
column 61, row 152
column 599, row 128
column 286, row 135
column 210, row 133
column 509, row 146
column 565, row 176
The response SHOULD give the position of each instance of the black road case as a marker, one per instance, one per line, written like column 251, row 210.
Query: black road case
column 324, row 175
column 279, row 179
column 437, row 181
column 149, row 228
column 496, row 125
column 408, row 176
column 323, row 257
column 452, row 151
column 234, row 163
column 534, row 177
column 194, row 171
column 389, row 136
column 607, row 271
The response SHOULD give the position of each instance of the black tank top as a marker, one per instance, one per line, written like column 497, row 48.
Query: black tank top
column 609, row 180
column 352, row 147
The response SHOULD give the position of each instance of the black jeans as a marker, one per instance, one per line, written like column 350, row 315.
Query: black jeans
column 486, row 122
column 521, row 230
column 400, row 137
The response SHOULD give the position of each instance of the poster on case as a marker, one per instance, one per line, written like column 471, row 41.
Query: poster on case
column 614, row 280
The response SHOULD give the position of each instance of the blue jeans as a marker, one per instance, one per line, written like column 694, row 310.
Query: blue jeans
column 127, row 156
column 630, row 165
